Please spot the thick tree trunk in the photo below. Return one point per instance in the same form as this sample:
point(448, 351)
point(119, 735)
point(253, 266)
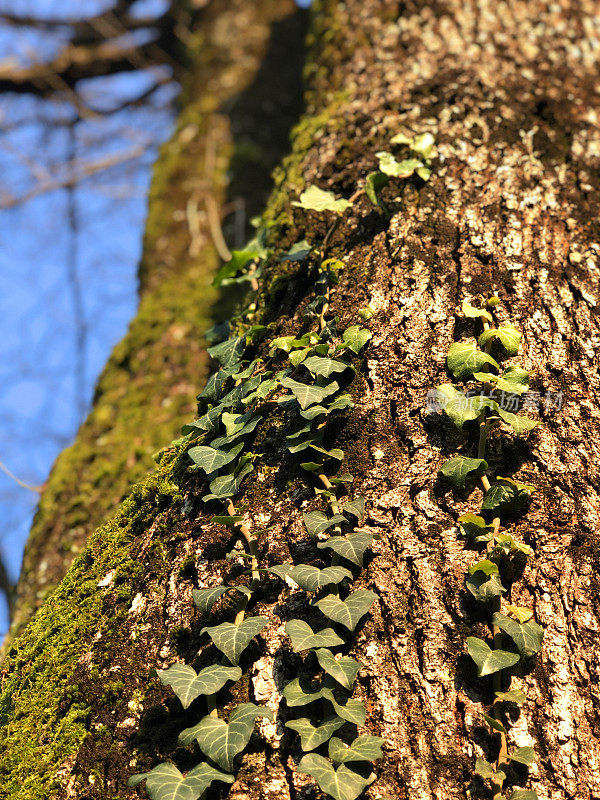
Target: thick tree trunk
point(508, 91)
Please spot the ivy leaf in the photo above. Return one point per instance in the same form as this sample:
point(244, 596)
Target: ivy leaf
point(227, 519)
point(355, 338)
point(484, 769)
point(281, 570)
point(494, 723)
point(347, 612)
point(506, 495)
point(513, 380)
point(297, 252)
point(303, 637)
point(505, 542)
point(352, 547)
point(324, 366)
point(307, 394)
point(523, 794)
point(458, 469)
point(397, 169)
point(237, 262)
point(522, 614)
point(344, 670)
point(356, 507)
point(222, 741)
point(523, 755)
point(315, 199)
point(484, 587)
point(486, 566)
point(459, 407)
point(423, 144)
point(237, 425)
point(475, 527)
point(489, 661)
point(364, 748)
point(210, 460)
point(206, 598)
point(526, 635)
point(342, 784)
point(464, 359)
point(296, 695)
point(188, 685)
point(508, 336)
point(232, 639)
point(284, 343)
point(519, 423)
point(474, 313)
point(349, 709)
point(313, 736)
point(227, 485)
point(312, 578)
point(512, 696)
point(374, 183)
point(165, 782)
point(316, 521)
point(228, 352)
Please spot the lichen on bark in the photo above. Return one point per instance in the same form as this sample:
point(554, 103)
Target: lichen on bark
point(511, 207)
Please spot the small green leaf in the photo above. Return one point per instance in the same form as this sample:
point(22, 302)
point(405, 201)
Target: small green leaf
point(312, 578)
point(484, 587)
point(352, 547)
point(523, 794)
point(423, 144)
point(347, 612)
point(526, 635)
point(324, 366)
point(374, 183)
point(506, 495)
point(298, 693)
point(508, 336)
point(464, 359)
point(341, 784)
point(356, 507)
point(355, 338)
point(210, 460)
point(206, 598)
point(315, 199)
point(458, 469)
point(239, 259)
point(188, 685)
point(364, 748)
point(513, 696)
point(222, 741)
point(313, 736)
point(486, 566)
point(281, 570)
point(522, 614)
point(228, 352)
point(308, 394)
point(486, 771)
point(519, 423)
point(398, 169)
point(316, 521)
point(474, 313)
point(494, 723)
point(489, 661)
point(165, 782)
point(344, 670)
point(506, 543)
point(227, 485)
point(232, 639)
point(297, 252)
point(303, 637)
point(523, 755)
point(475, 527)
point(513, 380)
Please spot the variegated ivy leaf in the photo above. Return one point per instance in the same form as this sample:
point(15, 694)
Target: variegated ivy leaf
point(325, 366)
point(316, 521)
point(222, 741)
point(210, 460)
point(474, 313)
point(526, 635)
point(232, 639)
point(312, 578)
point(485, 770)
point(352, 547)
point(475, 527)
point(523, 755)
point(315, 199)
point(188, 685)
point(512, 696)
point(347, 612)
point(458, 469)
point(464, 359)
point(341, 784)
point(489, 661)
point(355, 337)
point(484, 587)
point(356, 507)
point(303, 637)
point(229, 352)
point(308, 394)
point(313, 736)
point(165, 782)
point(344, 670)
point(523, 794)
point(508, 336)
point(364, 748)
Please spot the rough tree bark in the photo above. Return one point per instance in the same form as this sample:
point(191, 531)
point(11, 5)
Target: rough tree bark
point(509, 91)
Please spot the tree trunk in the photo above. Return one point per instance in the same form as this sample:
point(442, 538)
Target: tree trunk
point(511, 208)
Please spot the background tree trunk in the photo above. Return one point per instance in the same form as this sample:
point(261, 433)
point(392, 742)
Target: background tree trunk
point(512, 206)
